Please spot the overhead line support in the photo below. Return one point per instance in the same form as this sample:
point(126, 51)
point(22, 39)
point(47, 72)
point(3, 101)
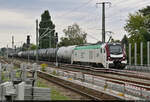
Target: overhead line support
point(103, 19)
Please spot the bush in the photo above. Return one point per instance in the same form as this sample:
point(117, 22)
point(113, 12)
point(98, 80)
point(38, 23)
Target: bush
point(43, 67)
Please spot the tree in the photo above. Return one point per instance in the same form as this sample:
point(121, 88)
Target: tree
point(138, 28)
point(24, 47)
point(73, 36)
point(135, 28)
point(124, 40)
point(32, 47)
point(47, 27)
point(145, 11)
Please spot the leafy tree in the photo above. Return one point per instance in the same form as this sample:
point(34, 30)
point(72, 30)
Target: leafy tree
point(32, 47)
point(138, 28)
point(124, 40)
point(24, 47)
point(135, 28)
point(47, 27)
point(73, 36)
point(145, 11)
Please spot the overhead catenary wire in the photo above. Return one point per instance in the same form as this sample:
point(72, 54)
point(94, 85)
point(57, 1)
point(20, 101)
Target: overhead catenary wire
point(94, 20)
point(83, 17)
point(75, 9)
point(92, 37)
point(110, 19)
point(89, 17)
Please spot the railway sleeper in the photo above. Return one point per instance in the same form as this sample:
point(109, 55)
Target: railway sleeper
point(93, 94)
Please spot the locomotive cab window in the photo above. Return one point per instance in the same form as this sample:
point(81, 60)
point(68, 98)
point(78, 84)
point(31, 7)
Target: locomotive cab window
point(115, 49)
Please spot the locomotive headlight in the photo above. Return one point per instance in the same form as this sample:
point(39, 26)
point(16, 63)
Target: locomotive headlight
point(109, 58)
point(124, 58)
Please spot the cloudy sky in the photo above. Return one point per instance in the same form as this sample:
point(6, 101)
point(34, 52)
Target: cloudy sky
point(17, 17)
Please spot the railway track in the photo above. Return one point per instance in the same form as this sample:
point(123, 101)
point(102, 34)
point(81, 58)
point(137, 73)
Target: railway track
point(115, 74)
point(97, 71)
point(112, 74)
point(90, 93)
point(126, 73)
point(121, 77)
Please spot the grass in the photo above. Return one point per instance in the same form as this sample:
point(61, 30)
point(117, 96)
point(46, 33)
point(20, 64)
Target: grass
point(55, 95)
point(3, 77)
point(18, 74)
point(15, 67)
point(55, 73)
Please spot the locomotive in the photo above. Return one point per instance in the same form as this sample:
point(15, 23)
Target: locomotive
point(107, 55)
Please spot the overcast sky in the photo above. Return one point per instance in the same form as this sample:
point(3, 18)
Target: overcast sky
point(17, 17)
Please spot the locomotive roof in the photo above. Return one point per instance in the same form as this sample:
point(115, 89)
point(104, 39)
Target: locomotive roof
point(88, 47)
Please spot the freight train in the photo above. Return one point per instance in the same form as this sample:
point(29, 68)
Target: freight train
point(107, 55)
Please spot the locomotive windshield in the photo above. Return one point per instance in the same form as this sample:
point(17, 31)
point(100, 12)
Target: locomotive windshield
point(115, 49)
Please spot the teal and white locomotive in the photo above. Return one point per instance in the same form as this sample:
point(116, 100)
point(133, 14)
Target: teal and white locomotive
point(105, 55)
point(102, 55)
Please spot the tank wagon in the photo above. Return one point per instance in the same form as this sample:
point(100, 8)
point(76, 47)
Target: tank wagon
point(51, 54)
point(100, 55)
point(64, 54)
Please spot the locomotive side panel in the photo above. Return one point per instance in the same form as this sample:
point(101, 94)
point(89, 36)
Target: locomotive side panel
point(87, 54)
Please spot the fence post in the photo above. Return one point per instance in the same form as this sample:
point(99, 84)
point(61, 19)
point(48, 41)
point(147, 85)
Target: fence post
point(130, 54)
point(12, 72)
point(148, 64)
point(23, 69)
point(0, 73)
point(141, 53)
point(135, 54)
point(35, 73)
point(124, 47)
